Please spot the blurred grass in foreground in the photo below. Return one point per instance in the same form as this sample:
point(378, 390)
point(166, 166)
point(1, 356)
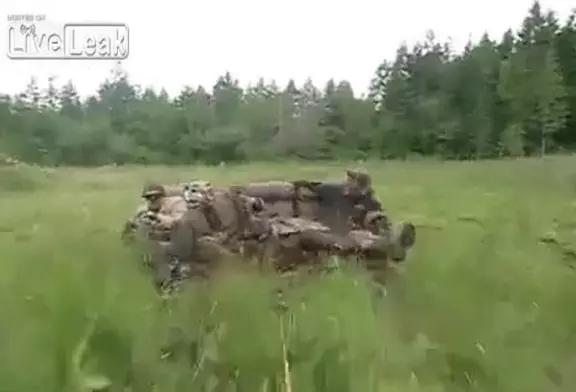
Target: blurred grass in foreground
point(485, 303)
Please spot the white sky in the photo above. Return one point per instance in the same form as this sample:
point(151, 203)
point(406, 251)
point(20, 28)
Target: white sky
point(173, 43)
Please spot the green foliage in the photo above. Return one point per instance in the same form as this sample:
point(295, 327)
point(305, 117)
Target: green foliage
point(427, 101)
point(483, 303)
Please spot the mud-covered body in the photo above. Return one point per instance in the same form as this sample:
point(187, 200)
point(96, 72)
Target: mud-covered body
point(283, 224)
point(332, 203)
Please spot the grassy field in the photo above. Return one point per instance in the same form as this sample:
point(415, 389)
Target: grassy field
point(486, 301)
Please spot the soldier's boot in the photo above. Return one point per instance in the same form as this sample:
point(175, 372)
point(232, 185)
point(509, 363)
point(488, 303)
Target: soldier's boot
point(403, 238)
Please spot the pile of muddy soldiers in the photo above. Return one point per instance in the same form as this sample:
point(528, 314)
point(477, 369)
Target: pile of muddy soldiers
point(189, 230)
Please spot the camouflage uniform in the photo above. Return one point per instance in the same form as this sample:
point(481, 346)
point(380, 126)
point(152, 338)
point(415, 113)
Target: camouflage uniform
point(287, 223)
point(375, 237)
point(157, 215)
point(151, 229)
point(241, 224)
point(331, 203)
point(286, 243)
point(195, 226)
point(357, 184)
point(349, 209)
point(214, 226)
point(167, 209)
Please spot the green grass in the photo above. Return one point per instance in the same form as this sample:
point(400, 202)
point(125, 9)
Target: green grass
point(482, 305)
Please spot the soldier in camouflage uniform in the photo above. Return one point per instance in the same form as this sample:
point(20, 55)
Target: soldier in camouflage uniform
point(289, 242)
point(207, 225)
point(240, 224)
point(150, 229)
point(331, 203)
point(218, 222)
point(191, 231)
point(156, 215)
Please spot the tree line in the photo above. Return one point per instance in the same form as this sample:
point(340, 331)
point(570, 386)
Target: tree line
point(514, 96)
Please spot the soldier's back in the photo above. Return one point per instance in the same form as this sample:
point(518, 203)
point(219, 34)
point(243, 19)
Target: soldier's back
point(196, 219)
point(278, 196)
point(225, 210)
point(174, 206)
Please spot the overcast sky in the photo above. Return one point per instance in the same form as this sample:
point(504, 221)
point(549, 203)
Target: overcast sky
point(173, 43)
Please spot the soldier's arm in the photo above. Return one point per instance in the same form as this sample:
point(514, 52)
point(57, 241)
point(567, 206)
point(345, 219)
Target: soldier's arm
point(180, 209)
point(142, 208)
point(140, 211)
point(131, 223)
point(166, 221)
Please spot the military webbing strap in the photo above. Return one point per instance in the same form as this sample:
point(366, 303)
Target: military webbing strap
point(295, 197)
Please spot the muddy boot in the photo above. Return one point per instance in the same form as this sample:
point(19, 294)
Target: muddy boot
point(403, 238)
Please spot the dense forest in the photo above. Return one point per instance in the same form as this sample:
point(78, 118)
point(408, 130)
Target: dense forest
point(513, 96)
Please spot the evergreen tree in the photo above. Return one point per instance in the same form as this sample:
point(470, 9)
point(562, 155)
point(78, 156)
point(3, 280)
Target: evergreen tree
point(511, 96)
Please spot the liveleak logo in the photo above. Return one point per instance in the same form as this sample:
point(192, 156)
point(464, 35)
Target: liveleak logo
point(49, 40)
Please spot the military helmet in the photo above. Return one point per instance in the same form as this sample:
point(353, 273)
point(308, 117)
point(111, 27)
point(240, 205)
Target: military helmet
point(358, 183)
point(360, 177)
point(153, 190)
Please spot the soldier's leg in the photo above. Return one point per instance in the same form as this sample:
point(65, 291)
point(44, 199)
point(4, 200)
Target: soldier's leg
point(372, 250)
point(160, 263)
point(249, 249)
point(313, 240)
point(183, 241)
point(289, 253)
point(377, 248)
point(269, 253)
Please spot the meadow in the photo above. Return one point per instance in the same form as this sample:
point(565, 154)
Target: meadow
point(485, 301)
